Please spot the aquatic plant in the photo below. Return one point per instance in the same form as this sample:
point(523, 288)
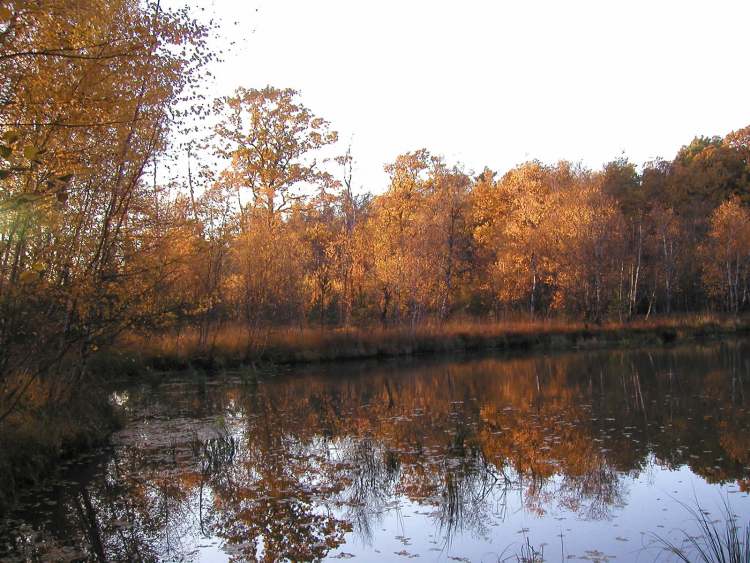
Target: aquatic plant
point(526, 554)
point(529, 554)
point(718, 541)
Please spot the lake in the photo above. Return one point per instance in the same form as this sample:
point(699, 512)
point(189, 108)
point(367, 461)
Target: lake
point(586, 455)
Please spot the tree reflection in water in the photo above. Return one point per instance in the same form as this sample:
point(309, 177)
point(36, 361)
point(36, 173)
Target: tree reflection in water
point(286, 468)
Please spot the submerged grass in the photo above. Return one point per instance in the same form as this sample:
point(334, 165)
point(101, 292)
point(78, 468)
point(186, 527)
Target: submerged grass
point(236, 345)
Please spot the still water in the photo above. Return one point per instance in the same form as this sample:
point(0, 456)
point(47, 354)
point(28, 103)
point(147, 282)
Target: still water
point(581, 456)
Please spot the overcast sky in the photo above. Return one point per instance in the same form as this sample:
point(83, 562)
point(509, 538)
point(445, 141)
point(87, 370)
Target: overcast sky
point(498, 83)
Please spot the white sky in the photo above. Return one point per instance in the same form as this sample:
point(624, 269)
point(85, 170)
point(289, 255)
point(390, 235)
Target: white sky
point(498, 83)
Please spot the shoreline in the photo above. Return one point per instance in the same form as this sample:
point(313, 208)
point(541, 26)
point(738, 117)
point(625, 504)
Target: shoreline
point(35, 445)
point(234, 348)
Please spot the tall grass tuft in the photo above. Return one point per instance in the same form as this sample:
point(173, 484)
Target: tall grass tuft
point(717, 542)
point(527, 554)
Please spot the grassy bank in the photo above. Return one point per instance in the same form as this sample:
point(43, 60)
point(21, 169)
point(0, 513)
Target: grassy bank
point(234, 346)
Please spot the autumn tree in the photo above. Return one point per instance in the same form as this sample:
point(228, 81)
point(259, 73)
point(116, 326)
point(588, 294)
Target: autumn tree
point(620, 181)
point(704, 174)
point(727, 255)
point(320, 225)
point(271, 140)
point(666, 244)
point(446, 229)
point(399, 262)
point(87, 95)
point(333, 223)
point(349, 249)
point(590, 229)
point(272, 143)
point(521, 207)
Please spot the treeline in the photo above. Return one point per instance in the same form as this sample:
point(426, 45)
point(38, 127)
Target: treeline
point(264, 230)
point(440, 242)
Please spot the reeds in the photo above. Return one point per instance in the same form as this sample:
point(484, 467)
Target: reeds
point(718, 541)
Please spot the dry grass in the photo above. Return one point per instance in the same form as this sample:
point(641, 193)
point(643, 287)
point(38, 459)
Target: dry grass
point(233, 345)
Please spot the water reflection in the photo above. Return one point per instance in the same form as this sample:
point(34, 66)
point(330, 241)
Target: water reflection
point(319, 463)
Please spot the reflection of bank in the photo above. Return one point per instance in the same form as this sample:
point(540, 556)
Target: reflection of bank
point(288, 467)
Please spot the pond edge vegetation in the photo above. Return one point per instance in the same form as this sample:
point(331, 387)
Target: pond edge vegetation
point(41, 438)
point(234, 347)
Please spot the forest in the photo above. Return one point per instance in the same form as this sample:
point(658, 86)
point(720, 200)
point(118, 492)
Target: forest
point(270, 227)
